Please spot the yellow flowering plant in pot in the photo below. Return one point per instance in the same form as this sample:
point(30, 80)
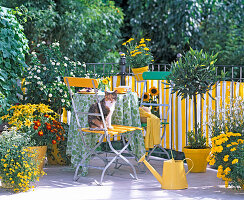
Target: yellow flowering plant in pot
point(138, 56)
point(227, 152)
point(41, 124)
point(18, 169)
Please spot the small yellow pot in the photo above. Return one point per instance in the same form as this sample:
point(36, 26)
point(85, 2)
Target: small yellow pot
point(138, 72)
point(40, 152)
point(199, 158)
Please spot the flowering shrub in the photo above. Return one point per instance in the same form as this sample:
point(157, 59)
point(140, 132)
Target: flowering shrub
point(40, 120)
point(44, 77)
point(152, 97)
point(18, 169)
point(227, 127)
point(138, 54)
point(227, 153)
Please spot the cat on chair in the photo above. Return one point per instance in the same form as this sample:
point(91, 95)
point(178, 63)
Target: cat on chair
point(108, 106)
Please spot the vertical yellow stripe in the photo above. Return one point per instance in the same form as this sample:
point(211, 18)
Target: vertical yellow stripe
point(118, 81)
point(183, 121)
point(207, 131)
point(214, 96)
point(133, 84)
point(176, 123)
point(163, 111)
point(167, 127)
point(228, 87)
point(189, 114)
point(111, 83)
point(201, 115)
point(241, 90)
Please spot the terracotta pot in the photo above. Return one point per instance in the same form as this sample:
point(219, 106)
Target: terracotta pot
point(199, 158)
point(138, 72)
point(40, 152)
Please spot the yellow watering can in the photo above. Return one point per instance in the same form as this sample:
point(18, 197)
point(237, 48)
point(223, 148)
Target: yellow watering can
point(174, 175)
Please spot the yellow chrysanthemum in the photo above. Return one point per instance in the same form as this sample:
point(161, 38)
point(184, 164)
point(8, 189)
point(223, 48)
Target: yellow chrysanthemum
point(235, 161)
point(105, 81)
point(146, 49)
point(233, 149)
point(148, 40)
point(142, 41)
point(226, 158)
point(146, 97)
point(153, 91)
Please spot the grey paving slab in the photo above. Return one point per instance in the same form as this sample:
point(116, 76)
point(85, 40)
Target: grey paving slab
point(58, 185)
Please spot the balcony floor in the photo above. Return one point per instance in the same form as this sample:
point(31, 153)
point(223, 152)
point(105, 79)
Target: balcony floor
point(58, 184)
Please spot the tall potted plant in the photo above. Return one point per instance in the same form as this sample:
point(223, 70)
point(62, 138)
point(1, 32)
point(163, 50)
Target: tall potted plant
point(194, 74)
point(138, 56)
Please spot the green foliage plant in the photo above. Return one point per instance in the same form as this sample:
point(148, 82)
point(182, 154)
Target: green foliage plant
point(13, 47)
point(18, 168)
point(196, 140)
point(138, 54)
point(193, 74)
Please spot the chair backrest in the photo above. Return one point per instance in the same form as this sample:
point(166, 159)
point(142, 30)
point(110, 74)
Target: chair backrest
point(155, 75)
point(81, 82)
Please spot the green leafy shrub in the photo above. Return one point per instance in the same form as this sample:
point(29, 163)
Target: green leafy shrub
point(87, 30)
point(13, 47)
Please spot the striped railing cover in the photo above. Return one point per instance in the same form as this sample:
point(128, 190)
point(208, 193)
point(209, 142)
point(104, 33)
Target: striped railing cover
point(181, 113)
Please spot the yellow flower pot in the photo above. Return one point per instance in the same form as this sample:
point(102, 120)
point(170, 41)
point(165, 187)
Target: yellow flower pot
point(40, 152)
point(55, 157)
point(199, 158)
point(138, 72)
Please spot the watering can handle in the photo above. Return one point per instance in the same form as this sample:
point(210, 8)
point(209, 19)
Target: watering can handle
point(192, 165)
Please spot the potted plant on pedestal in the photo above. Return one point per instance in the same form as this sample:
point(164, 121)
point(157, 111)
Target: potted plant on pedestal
point(138, 56)
point(194, 74)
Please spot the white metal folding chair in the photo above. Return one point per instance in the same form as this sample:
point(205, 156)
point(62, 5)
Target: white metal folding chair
point(104, 133)
point(158, 75)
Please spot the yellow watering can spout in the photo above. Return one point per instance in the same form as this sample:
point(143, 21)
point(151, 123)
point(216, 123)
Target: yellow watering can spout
point(174, 175)
point(153, 171)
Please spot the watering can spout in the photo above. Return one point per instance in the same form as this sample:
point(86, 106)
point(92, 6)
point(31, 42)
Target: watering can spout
point(152, 170)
